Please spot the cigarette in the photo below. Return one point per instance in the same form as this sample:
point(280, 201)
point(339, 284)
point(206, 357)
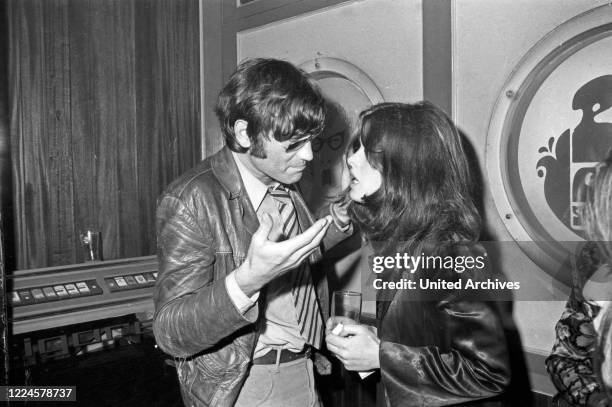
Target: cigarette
point(337, 329)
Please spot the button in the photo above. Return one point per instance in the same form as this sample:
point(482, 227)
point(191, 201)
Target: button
point(155, 275)
point(38, 295)
point(112, 284)
point(72, 290)
point(26, 296)
point(61, 291)
point(149, 277)
point(94, 287)
point(50, 293)
point(121, 282)
point(140, 279)
point(130, 280)
point(15, 298)
point(82, 287)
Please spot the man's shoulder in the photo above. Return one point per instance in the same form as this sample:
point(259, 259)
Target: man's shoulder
point(199, 179)
point(198, 176)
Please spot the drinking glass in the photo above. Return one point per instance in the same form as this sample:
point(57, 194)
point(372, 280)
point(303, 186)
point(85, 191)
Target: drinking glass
point(346, 307)
point(91, 243)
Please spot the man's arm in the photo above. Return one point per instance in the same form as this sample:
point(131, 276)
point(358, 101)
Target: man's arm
point(193, 310)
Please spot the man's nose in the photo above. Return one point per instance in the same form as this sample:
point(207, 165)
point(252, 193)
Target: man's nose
point(305, 153)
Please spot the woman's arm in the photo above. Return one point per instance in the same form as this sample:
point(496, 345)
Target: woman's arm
point(475, 366)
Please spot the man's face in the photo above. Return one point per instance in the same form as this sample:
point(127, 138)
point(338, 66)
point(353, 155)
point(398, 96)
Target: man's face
point(285, 161)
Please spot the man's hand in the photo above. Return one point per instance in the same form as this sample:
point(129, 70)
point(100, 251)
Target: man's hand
point(339, 212)
point(356, 346)
point(267, 259)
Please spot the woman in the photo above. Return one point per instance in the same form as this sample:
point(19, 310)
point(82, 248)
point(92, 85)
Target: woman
point(411, 193)
point(597, 217)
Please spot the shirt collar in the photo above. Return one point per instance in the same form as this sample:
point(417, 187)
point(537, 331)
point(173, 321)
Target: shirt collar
point(255, 189)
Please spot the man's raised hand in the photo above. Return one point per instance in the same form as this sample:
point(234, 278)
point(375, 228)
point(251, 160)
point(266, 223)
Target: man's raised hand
point(267, 259)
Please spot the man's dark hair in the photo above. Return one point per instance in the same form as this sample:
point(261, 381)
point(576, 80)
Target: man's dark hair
point(275, 99)
point(426, 192)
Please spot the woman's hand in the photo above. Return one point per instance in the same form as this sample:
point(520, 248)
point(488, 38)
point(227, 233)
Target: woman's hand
point(356, 346)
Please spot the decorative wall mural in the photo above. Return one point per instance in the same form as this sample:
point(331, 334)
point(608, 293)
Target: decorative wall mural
point(551, 125)
point(569, 161)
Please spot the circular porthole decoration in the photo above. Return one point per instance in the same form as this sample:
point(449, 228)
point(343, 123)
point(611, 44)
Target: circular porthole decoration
point(348, 90)
point(551, 125)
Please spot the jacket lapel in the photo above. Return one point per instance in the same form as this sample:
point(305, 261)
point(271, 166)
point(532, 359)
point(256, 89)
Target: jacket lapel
point(385, 297)
point(226, 171)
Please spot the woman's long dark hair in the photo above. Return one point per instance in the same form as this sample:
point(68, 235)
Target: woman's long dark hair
point(426, 192)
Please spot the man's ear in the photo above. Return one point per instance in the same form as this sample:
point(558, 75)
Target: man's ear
point(240, 131)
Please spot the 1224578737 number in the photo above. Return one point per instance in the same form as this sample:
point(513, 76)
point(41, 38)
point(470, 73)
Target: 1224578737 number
point(37, 393)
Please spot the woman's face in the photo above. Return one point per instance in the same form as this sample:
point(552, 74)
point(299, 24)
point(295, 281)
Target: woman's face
point(365, 179)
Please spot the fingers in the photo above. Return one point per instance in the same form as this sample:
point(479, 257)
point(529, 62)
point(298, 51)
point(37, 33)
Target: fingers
point(305, 243)
point(302, 252)
point(309, 235)
point(265, 226)
point(355, 330)
point(335, 340)
point(335, 345)
point(329, 324)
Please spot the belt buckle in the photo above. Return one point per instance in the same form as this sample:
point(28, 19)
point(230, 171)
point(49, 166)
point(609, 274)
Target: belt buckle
point(308, 352)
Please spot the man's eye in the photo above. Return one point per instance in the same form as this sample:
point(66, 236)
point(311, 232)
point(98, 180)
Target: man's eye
point(297, 145)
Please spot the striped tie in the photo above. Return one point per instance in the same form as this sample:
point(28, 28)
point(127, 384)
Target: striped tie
point(304, 296)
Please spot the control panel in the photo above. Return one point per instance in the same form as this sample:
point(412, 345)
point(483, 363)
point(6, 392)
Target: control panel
point(58, 296)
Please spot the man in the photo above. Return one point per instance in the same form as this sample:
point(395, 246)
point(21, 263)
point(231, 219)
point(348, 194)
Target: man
point(239, 302)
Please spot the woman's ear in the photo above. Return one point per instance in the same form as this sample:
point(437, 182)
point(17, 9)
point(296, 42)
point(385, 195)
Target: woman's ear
point(240, 131)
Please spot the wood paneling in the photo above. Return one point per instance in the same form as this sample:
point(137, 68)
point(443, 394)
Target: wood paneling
point(105, 112)
point(5, 190)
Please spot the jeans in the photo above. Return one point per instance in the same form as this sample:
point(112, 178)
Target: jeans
point(288, 384)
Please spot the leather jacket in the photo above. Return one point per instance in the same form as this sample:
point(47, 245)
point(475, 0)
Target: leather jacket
point(205, 222)
point(451, 349)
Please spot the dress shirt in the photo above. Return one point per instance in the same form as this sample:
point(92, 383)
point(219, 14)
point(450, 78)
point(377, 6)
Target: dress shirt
point(279, 328)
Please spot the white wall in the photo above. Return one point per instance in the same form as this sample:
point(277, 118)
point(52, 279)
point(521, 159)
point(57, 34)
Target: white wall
point(381, 37)
point(489, 39)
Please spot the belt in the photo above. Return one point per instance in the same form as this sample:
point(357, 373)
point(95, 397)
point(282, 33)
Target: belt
point(285, 356)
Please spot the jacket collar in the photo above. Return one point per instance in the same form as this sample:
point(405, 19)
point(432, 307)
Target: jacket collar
point(225, 169)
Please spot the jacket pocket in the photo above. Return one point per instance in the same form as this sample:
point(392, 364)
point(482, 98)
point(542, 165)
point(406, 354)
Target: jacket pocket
point(211, 367)
point(202, 378)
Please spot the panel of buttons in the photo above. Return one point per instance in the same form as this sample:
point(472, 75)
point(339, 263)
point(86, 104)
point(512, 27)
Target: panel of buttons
point(37, 295)
point(130, 281)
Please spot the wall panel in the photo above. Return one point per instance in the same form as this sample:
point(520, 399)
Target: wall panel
point(105, 112)
point(489, 40)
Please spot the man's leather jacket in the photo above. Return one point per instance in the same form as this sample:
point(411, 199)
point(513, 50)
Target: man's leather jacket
point(205, 222)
